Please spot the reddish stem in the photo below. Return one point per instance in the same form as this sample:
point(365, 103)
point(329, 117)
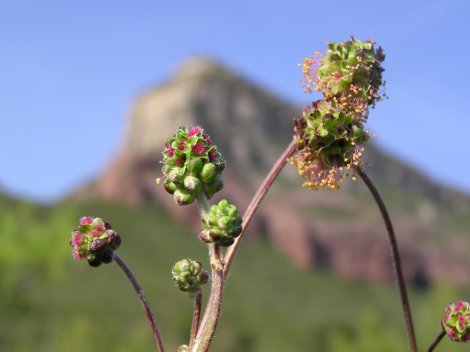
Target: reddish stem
point(143, 301)
point(255, 202)
point(209, 322)
point(196, 317)
point(395, 258)
point(437, 340)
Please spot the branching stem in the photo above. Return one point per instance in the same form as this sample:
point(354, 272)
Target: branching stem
point(196, 317)
point(143, 301)
point(211, 315)
point(255, 202)
point(395, 258)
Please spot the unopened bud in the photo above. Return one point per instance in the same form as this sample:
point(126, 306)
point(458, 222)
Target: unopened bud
point(221, 224)
point(188, 275)
point(169, 186)
point(208, 172)
point(183, 197)
point(194, 166)
point(192, 184)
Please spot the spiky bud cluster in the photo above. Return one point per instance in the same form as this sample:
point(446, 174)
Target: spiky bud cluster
point(331, 131)
point(329, 145)
point(456, 321)
point(349, 75)
point(189, 276)
point(221, 224)
point(191, 164)
point(94, 240)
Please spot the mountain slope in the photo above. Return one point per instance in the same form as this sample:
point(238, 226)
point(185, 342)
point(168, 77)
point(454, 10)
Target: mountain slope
point(339, 230)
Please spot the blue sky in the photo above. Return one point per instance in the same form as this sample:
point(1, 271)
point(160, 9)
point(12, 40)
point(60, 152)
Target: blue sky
point(69, 71)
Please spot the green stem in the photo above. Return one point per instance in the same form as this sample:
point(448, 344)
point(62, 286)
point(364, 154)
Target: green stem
point(202, 203)
point(143, 301)
point(255, 202)
point(211, 315)
point(395, 258)
point(437, 340)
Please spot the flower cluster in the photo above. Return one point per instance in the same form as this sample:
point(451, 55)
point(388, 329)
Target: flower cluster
point(94, 240)
point(456, 321)
point(221, 224)
point(191, 164)
point(329, 144)
point(330, 133)
point(189, 276)
point(349, 75)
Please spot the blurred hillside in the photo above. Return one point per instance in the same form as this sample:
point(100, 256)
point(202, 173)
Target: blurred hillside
point(336, 230)
point(52, 303)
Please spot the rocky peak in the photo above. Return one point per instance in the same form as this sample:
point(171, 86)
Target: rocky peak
point(339, 230)
point(247, 123)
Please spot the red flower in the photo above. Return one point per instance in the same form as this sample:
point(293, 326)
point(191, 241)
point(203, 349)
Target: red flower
point(194, 130)
point(199, 148)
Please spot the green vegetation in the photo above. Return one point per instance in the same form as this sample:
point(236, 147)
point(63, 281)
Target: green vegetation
point(49, 302)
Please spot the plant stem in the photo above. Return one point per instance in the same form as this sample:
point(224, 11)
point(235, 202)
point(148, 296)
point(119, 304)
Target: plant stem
point(196, 317)
point(255, 202)
point(202, 204)
point(212, 312)
point(395, 258)
point(437, 340)
point(143, 301)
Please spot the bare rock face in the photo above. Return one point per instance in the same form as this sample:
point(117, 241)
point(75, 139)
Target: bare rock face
point(337, 230)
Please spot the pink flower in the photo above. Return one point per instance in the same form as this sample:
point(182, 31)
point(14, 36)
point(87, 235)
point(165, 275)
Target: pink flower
point(76, 255)
point(86, 220)
point(179, 162)
point(98, 230)
point(198, 149)
point(459, 306)
point(181, 146)
point(194, 130)
point(77, 240)
point(170, 151)
point(212, 155)
point(95, 233)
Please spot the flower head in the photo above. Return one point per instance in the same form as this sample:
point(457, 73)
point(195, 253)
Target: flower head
point(189, 276)
point(456, 321)
point(349, 75)
point(330, 134)
point(191, 164)
point(329, 145)
point(221, 224)
point(94, 240)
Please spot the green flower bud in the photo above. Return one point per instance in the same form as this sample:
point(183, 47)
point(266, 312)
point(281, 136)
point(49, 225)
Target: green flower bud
point(221, 224)
point(189, 276)
point(192, 184)
point(174, 175)
point(190, 159)
point(169, 186)
point(194, 166)
point(183, 197)
point(208, 172)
